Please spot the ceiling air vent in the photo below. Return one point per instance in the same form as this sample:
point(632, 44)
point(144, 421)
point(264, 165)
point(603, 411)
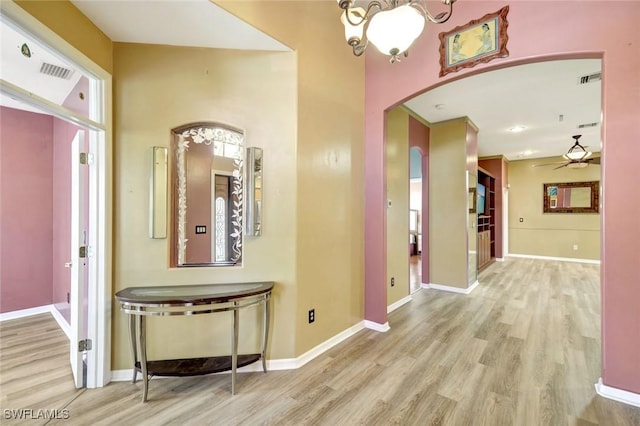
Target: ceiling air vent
point(55, 71)
point(590, 78)
point(586, 125)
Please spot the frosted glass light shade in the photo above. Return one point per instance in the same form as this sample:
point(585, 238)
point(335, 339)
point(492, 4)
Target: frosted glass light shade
point(577, 165)
point(353, 31)
point(393, 31)
point(577, 155)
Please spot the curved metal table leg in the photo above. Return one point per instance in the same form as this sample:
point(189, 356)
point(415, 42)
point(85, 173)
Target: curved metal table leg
point(234, 348)
point(133, 335)
point(265, 333)
point(143, 358)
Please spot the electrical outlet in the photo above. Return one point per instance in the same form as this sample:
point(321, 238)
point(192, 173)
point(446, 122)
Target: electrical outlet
point(575, 247)
point(393, 281)
point(312, 315)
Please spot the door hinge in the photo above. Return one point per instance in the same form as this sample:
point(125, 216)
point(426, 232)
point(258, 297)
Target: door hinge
point(84, 345)
point(83, 252)
point(86, 158)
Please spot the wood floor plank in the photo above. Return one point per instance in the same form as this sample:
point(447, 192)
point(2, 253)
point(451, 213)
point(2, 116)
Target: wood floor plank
point(522, 349)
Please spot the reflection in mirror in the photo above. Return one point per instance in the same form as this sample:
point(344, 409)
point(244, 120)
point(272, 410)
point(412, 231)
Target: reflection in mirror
point(472, 230)
point(571, 197)
point(208, 194)
point(253, 214)
point(158, 193)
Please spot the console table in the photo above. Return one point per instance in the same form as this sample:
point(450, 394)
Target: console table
point(140, 302)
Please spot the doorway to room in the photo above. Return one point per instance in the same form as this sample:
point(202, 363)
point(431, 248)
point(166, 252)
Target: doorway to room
point(47, 77)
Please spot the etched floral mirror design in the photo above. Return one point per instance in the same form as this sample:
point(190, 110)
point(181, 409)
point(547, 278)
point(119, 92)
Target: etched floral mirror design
point(208, 195)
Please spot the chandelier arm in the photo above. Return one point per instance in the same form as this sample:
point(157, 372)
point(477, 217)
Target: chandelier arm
point(423, 8)
point(366, 14)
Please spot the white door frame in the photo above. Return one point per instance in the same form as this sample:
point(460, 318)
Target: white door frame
point(100, 140)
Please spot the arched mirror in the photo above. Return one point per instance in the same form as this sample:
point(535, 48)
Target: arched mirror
point(208, 195)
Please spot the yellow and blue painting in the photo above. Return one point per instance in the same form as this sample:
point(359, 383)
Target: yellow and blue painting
point(472, 43)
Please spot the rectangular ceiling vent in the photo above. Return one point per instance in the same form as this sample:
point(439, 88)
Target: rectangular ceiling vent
point(587, 125)
point(56, 71)
point(590, 78)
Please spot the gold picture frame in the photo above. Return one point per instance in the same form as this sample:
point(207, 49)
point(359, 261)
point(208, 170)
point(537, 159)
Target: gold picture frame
point(478, 41)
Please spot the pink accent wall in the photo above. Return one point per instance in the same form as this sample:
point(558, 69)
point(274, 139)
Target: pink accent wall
point(419, 138)
point(497, 167)
point(562, 30)
point(26, 203)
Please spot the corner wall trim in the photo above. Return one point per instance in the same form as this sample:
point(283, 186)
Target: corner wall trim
point(560, 259)
point(275, 364)
point(451, 289)
point(392, 307)
point(383, 328)
point(619, 395)
point(22, 313)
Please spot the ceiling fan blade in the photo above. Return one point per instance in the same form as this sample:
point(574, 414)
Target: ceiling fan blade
point(595, 160)
point(551, 164)
point(559, 167)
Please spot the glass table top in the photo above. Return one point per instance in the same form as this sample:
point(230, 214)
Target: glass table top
point(205, 293)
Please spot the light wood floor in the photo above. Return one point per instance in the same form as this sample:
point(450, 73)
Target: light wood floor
point(522, 349)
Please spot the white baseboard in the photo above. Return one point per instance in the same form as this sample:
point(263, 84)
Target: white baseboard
point(376, 326)
point(619, 395)
point(392, 307)
point(499, 259)
point(62, 322)
point(561, 259)
point(22, 313)
point(276, 364)
point(51, 309)
point(451, 288)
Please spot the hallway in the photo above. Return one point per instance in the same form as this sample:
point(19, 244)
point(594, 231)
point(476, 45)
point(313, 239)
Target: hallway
point(521, 349)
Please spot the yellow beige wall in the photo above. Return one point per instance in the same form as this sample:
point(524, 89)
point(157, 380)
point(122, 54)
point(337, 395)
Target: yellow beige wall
point(448, 215)
point(397, 152)
point(549, 234)
point(161, 87)
point(330, 162)
point(63, 18)
point(316, 249)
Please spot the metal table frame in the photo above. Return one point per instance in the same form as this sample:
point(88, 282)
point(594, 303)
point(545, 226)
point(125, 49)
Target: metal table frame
point(139, 308)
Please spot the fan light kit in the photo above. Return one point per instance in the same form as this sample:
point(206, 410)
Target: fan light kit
point(577, 152)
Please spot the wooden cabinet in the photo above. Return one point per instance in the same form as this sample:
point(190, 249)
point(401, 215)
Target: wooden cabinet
point(487, 221)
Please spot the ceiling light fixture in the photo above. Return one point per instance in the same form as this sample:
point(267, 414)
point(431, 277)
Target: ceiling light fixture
point(577, 152)
point(390, 25)
point(517, 129)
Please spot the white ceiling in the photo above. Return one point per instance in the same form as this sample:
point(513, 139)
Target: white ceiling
point(198, 23)
point(24, 71)
point(533, 95)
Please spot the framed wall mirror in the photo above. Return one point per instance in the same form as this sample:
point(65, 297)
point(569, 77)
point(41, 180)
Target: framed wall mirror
point(571, 197)
point(208, 198)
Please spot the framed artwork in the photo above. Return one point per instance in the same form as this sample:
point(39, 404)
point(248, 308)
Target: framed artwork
point(478, 41)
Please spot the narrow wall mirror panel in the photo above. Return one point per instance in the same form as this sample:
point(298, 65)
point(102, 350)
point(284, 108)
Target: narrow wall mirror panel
point(253, 215)
point(158, 193)
point(208, 165)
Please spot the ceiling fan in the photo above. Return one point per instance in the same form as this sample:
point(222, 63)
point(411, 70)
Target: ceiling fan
point(577, 157)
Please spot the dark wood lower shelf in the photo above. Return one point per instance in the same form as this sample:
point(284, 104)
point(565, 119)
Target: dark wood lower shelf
point(195, 366)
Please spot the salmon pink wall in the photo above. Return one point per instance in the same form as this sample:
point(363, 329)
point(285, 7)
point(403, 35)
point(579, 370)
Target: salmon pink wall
point(26, 204)
point(537, 31)
point(419, 138)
